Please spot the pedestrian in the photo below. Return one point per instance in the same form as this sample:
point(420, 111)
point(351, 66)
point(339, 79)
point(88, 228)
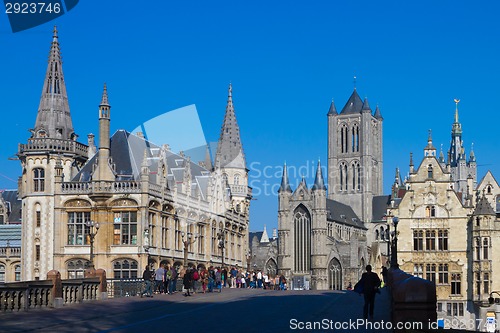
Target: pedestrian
point(384, 274)
point(159, 275)
point(259, 279)
point(187, 281)
point(368, 286)
point(173, 280)
point(147, 276)
point(166, 279)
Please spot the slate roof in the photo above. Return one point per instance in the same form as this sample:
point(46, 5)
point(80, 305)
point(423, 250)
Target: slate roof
point(379, 207)
point(483, 207)
point(354, 104)
point(127, 154)
point(14, 206)
point(341, 213)
point(11, 233)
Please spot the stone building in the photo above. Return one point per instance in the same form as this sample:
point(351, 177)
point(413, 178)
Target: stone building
point(322, 237)
point(263, 253)
point(151, 204)
point(448, 230)
point(433, 231)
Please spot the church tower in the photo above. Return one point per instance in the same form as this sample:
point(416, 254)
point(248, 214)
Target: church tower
point(355, 165)
point(461, 169)
point(230, 159)
point(51, 155)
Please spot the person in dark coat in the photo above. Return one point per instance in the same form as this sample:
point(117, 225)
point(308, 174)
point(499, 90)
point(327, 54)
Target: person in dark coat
point(187, 281)
point(371, 283)
point(147, 276)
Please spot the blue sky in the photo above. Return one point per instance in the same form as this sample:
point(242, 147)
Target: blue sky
point(286, 61)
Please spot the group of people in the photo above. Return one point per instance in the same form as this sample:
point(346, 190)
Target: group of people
point(164, 279)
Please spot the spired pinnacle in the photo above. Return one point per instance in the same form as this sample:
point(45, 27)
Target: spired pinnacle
point(319, 183)
point(104, 99)
point(54, 35)
point(285, 185)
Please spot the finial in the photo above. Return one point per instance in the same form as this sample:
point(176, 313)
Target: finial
point(230, 89)
point(55, 32)
point(430, 136)
point(354, 82)
point(411, 159)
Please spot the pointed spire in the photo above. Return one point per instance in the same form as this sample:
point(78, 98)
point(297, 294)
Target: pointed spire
point(104, 99)
point(229, 149)
point(303, 181)
point(441, 155)
point(412, 169)
point(472, 156)
point(366, 106)
point(285, 185)
point(333, 109)
point(54, 119)
point(397, 178)
point(265, 237)
point(377, 114)
point(430, 150)
point(354, 104)
point(319, 183)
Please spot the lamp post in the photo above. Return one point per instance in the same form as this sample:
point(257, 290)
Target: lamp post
point(187, 241)
point(394, 254)
point(221, 237)
point(93, 229)
point(388, 240)
point(248, 257)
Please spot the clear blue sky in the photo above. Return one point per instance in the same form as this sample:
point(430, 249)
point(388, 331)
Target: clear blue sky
point(286, 61)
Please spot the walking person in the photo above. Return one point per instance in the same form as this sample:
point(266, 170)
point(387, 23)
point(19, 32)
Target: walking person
point(368, 286)
point(147, 276)
point(172, 288)
point(187, 281)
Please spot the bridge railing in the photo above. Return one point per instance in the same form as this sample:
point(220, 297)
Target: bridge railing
point(53, 292)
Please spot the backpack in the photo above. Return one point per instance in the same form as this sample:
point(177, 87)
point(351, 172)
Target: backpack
point(196, 276)
point(169, 274)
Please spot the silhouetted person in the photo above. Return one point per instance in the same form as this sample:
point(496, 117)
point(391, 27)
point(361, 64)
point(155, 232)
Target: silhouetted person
point(370, 282)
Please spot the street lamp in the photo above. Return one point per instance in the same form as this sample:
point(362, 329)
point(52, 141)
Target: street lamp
point(221, 237)
point(388, 240)
point(93, 228)
point(249, 257)
point(187, 241)
point(394, 254)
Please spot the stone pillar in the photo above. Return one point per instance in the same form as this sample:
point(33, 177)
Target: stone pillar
point(56, 292)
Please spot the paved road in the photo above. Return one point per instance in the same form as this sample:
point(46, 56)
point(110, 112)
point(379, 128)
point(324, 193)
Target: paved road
point(233, 310)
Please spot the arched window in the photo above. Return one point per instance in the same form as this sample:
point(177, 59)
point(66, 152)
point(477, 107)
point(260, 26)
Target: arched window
point(76, 268)
point(343, 138)
point(355, 138)
point(2, 273)
point(478, 248)
point(38, 180)
point(343, 176)
point(485, 249)
point(382, 233)
point(335, 275)
point(376, 234)
point(17, 273)
point(429, 171)
point(302, 239)
point(271, 268)
point(224, 177)
point(125, 269)
point(236, 179)
point(358, 171)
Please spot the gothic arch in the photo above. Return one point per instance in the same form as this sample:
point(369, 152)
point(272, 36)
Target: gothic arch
point(302, 238)
point(335, 275)
point(271, 267)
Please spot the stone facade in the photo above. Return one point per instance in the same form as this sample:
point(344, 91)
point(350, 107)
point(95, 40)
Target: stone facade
point(147, 199)
point(448, 230)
